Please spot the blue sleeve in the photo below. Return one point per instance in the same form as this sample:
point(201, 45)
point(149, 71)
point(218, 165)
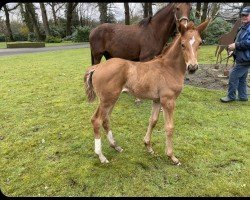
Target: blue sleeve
point(245, 44)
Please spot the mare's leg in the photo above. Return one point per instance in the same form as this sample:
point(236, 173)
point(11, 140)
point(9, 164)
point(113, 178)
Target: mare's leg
point(106, 126)
point(152, 122)
point(97, 56)
point(168, 106)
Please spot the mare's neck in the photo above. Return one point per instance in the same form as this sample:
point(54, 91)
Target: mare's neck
point(164, 24)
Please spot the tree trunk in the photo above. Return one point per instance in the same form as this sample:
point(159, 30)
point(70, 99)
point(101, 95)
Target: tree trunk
point(69, 16)
point(145, 10)
point(204, 12)
point(45, 20)
point(103, 9)
point(31, 10)
point(198, 11)
point(54, 13)
point(127, 16)
point(26, 18)
point(9, 31)
point(215, 9)
point(150, 9)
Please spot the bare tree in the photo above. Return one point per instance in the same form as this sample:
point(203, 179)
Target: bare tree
point(145, 10)
point(53, 6)
point(31, 10)
point(150, 9)
point(7, 22)
point(45, 20)
point(204, 12)
point(26, 18)
point(126, 10)
point(198, 11)
point(103, 9)
point(69, 15)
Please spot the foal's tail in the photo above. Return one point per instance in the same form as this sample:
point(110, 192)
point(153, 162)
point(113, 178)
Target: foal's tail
point(89, 89)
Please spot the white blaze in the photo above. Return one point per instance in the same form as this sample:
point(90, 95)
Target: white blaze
point(191, 42)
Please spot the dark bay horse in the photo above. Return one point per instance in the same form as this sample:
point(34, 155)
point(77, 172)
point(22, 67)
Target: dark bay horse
point(160, 79)
point(139, 42)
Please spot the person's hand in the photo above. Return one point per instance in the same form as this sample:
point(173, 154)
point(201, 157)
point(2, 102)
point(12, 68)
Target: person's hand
point(230, 53)
point(231, 47)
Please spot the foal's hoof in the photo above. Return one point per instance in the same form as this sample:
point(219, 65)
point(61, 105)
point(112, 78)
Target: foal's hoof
point(119, 149)
point(151, 151)
point(103, 159)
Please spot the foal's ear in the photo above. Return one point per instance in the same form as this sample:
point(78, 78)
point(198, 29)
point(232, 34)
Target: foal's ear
point(203, 26)
point(182, 29)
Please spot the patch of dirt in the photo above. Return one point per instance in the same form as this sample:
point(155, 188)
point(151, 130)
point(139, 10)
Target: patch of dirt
point(209, 76)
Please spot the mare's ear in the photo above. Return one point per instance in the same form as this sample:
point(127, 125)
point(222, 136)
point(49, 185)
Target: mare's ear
point(182, 28)
point(203, 25)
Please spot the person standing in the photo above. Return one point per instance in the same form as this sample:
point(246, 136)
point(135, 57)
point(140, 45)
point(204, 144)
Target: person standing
point(241, 53)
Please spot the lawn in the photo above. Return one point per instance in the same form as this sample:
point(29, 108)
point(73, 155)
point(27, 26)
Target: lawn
point(47, 143)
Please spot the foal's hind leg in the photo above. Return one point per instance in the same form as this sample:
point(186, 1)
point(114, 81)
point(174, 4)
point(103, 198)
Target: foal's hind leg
point(152, 122)
point(168, 106)
point(97, 121)
point(109, 133)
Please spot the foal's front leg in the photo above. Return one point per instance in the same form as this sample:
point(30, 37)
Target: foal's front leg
point(168, 106)
point(152, 122)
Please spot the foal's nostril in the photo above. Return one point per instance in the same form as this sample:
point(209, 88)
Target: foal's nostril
point(192, 68)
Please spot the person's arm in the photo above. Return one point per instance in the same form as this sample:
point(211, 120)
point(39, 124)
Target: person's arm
point(243, 45)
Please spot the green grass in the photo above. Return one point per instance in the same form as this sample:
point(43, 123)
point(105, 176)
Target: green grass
point(47, 143)
point(3, 44)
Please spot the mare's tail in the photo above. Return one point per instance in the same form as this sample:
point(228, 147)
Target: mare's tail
point(92, 57)
point(89, 89)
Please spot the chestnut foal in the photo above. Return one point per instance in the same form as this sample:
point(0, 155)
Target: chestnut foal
point(160, 80)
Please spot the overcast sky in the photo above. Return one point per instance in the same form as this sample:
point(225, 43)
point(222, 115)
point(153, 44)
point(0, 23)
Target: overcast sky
point(117, 8)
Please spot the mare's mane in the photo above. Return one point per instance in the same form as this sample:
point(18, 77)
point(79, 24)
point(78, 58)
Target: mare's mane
point(144, 22)
point(167, 46)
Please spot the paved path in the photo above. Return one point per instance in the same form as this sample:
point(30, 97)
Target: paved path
point(15, 51)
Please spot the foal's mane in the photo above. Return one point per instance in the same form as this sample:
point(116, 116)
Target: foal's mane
point(144, 22)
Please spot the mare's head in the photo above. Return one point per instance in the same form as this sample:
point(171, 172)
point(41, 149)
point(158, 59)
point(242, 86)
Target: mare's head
point(182, 12)
point(190, 42)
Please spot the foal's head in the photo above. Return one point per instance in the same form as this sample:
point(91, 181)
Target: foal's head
point(190, 42)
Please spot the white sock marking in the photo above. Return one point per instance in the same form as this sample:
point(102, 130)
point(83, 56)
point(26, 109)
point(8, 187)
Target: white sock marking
point(98, 146)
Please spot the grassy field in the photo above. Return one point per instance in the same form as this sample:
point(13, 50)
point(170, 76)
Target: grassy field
point(47, 143)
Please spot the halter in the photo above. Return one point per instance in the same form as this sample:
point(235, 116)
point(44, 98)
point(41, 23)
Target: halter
point(179, 20)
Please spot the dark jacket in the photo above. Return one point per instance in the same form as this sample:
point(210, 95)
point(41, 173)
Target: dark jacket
point(242, 46)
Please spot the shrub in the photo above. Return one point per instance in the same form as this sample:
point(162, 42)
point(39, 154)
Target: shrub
point(53, 39)
point(81, 34)
point(32, 37)
point(20, 37)
point(2, 38)
point(213, 32)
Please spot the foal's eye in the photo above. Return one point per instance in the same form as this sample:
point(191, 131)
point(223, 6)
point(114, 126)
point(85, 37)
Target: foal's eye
point(182, 45)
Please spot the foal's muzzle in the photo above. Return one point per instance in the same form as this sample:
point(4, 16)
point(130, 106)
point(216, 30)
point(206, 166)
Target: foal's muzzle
point(192, 68)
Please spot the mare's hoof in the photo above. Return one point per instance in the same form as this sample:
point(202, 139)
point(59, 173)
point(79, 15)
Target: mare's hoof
point(138, 102)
